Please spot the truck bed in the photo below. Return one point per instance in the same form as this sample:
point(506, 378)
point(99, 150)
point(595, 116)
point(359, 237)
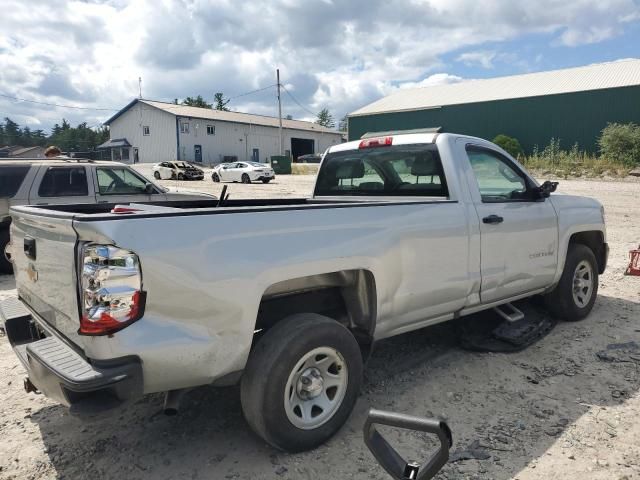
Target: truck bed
point(103, 211)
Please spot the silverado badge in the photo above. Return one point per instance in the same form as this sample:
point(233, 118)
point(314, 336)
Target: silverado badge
point(32, 273)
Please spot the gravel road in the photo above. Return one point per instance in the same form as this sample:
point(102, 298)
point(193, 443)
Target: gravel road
point(565, 408)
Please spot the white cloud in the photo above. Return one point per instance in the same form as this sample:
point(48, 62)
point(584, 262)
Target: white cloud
point(482, 58)
point(435, 79)
point(339, 55)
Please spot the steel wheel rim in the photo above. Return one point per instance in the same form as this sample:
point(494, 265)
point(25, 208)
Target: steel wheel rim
point(583, 279)
point(316, 388)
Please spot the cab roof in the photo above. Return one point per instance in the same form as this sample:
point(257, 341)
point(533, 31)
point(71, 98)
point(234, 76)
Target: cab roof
point(398, 139)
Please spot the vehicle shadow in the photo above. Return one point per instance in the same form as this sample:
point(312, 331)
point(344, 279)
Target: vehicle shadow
point(505, 411)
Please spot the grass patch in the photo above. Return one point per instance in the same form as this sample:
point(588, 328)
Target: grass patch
point(553, 160)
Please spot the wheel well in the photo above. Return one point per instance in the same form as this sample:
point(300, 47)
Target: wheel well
point(347, 296)
point(595, 241)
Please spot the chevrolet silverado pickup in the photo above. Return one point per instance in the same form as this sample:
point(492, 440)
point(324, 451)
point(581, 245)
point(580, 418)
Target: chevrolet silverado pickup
point(288, 296)
point(70, 180)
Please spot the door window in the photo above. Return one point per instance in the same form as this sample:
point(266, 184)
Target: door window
point(119, 181)
point(11, 178)
point(64, 182)
point(499, 180)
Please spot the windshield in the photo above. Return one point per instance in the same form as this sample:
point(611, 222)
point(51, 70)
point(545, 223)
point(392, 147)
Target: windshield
point(182, 165)
point(255, 164)
point(405, 170)
point(112, 181)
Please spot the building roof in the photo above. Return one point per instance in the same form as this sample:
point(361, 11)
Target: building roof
point(622, 73)
point(222, 116)
point(114, 143)
point(23, 150)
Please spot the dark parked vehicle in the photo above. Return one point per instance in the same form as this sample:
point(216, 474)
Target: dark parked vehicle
point(309, 158)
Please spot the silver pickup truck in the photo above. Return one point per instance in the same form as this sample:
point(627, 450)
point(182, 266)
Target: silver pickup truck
point(287, 296)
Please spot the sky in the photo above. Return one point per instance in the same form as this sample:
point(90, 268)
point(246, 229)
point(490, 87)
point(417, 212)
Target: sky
point(333, 54)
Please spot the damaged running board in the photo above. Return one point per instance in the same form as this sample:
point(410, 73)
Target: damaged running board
point(509, 312)
point(510, 331)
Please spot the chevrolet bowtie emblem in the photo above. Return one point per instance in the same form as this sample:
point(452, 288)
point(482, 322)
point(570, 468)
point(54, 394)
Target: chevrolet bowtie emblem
point(32, 273)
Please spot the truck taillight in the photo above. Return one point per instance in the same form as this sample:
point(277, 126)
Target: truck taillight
point(111, 289)
point(376, 142)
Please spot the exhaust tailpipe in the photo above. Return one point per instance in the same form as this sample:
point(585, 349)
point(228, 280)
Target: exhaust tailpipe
point(172, 401)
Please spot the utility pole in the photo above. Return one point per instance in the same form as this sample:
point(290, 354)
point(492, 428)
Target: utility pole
point(279, 110)
point(139, 87)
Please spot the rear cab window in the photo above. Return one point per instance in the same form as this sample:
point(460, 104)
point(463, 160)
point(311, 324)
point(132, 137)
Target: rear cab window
point(402, 170)
point(64, 182)
point(11, 178)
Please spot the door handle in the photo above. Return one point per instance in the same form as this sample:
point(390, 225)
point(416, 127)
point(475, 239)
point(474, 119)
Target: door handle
point(493, 219)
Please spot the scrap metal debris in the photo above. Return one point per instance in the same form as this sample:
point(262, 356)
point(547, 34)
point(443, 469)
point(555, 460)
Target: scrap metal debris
point(628, 352)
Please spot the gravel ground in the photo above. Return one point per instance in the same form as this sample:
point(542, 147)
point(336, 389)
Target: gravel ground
point(565, 408)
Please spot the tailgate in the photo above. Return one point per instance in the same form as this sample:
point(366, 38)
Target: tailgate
point(44, 265)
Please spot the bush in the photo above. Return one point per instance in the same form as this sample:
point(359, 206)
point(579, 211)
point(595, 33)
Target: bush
point(554, 160)
point(510, 145)
point(620, 142)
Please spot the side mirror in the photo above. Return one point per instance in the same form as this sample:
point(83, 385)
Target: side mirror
point(149, 188)
point(546, 189)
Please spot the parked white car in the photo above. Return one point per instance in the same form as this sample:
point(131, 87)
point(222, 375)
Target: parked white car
point(245, 172)
point(177, 170)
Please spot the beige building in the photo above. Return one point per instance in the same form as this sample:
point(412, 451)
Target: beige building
point(147, 131)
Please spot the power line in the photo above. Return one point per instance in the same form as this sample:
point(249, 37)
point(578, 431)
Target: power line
point(59, 105)
point(297, 102)
point(252, 91)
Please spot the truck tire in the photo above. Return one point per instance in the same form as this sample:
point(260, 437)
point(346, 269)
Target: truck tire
point(301, 382)
point(573, 298)
point(5, 265)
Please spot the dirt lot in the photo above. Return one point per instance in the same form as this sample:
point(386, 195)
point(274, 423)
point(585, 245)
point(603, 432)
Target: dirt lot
point(566, 408)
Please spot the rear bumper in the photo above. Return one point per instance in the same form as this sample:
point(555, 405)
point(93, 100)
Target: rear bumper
point(87, 387)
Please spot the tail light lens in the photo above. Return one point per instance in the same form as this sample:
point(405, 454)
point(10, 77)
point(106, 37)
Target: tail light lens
point(111, 295)
point(376, 142)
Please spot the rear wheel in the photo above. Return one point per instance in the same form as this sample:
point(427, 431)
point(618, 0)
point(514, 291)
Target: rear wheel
point(215, 177)
point(5, 264)
point(576, 292)
point(156, 175)
point(301, 382)
point(266, 180)
point(245, 178)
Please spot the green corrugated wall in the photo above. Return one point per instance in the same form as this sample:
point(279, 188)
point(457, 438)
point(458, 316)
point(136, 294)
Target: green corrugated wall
point(571, 117)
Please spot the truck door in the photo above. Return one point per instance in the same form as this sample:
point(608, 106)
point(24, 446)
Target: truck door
point(518, 232)
point(62, 184)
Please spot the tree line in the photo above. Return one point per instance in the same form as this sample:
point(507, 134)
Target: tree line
point(69, 139)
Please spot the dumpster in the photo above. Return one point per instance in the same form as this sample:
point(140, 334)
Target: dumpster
point(281, 164)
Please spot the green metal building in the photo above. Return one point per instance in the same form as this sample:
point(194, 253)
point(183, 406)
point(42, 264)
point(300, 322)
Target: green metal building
point(572, 105)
